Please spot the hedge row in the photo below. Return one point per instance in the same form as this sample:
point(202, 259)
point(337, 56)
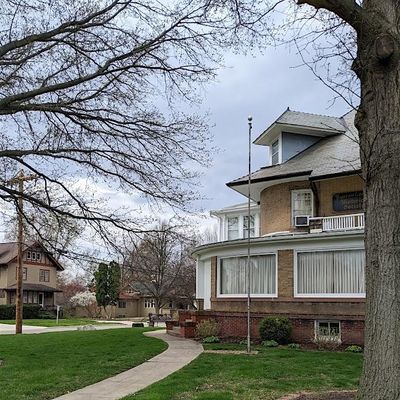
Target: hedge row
point(30, 311)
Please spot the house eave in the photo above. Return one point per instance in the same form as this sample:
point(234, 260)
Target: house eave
point(290, 239)
point(272, 132)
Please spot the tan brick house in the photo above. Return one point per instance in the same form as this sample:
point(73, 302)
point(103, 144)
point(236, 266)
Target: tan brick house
point(40, 270)
point(307, 236)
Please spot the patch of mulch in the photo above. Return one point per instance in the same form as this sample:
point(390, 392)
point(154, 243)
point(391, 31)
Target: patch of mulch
point(348, 395)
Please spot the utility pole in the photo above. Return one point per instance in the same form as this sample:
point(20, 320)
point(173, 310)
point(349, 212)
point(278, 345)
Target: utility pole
point(19, 180)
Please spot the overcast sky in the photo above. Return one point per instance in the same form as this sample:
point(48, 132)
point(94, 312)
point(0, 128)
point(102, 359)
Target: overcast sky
point(262, 86)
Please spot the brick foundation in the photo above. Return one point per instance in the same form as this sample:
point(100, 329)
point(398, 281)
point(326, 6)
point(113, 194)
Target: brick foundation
point(234, 326)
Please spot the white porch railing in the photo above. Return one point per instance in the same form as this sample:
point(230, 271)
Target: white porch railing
point(341, 222)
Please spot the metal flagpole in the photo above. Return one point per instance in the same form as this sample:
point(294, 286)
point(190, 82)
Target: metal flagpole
point(250, 119)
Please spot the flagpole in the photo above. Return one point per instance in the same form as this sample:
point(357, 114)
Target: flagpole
point(250, 119)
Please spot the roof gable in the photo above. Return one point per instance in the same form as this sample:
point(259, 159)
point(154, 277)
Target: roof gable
point(9, 252)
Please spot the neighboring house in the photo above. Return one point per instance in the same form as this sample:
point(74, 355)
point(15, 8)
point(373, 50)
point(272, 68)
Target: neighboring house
point(307, 245)
point(39, 269)
point(135, 301)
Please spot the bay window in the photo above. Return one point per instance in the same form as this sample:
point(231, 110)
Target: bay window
point(334, 273)
point(233, 276)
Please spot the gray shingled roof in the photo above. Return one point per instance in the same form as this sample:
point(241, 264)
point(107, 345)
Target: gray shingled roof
point(337, 154)
point(311, 120)
point(307, 120)
point(8, 251)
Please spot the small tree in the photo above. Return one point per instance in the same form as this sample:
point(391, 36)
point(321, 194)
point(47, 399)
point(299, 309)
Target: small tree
point(107, 282)
point(86, 300)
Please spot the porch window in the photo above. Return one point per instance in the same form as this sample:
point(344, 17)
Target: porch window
point(331, 273)
point(245, 226)
point(44, 275)
point(25, 297)
point(233, 276)
point(35, 298)
point(121, 304)
point(275, 153)
point(302, 203)
point(233, 228)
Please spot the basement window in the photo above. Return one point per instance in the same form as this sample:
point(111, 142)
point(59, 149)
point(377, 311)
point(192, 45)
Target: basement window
point(327, 330)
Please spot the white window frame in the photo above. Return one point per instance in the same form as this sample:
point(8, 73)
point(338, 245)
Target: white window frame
point(292, 195)
point(244, 295)
point(322, 295)
point(244, 235)
point(149, 303)
point(329, 321)
point(238, 226)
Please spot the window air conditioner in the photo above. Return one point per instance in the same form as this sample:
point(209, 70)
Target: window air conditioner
point(301, 220)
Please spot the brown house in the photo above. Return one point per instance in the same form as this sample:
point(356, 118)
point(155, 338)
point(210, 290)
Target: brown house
point(39, 274)
point(307, 237)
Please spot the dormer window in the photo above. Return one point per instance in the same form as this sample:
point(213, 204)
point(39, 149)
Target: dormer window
point(275, 152)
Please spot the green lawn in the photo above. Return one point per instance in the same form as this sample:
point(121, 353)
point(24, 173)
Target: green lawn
point(272, 373)
point(47, 365)
point(53, 322)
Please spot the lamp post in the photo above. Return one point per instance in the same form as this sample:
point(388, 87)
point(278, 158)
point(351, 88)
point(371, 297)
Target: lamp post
point(249, 119)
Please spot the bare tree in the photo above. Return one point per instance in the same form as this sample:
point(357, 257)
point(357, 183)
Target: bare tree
point(160, 263)
point(90, 96)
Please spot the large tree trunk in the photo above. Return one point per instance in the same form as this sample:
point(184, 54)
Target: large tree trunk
point(378, 122)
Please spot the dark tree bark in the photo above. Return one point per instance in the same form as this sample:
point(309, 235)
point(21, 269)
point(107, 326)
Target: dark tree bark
point(378, 122)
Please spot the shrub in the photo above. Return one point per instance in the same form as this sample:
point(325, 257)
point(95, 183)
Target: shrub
point(275, 328)
point(47, 315)
point(354, 349)
point(211, 339)
point(7, 312)
point(207, 328)
point(330, 343)
point(294, 346)
point(30, 311)
point(270, 343)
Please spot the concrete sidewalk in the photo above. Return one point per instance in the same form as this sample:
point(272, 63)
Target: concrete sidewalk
point(179, 353)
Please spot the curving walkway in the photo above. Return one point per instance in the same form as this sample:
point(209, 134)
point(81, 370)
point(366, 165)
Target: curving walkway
point(179, 353)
